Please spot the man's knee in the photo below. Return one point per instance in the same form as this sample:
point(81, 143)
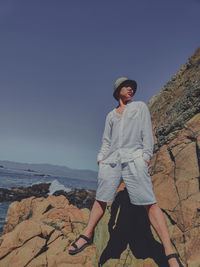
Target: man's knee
point(150, 206)
point(103, 204)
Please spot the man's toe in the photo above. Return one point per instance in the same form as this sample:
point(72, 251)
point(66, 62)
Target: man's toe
point(71, 248)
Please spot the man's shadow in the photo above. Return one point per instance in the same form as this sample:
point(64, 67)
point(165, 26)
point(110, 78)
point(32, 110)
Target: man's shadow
point(132, 227)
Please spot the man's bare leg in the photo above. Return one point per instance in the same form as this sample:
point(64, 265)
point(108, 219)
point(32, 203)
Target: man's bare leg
point(158, 222)
point(98, 210)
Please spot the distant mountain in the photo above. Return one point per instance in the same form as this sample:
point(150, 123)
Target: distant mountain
point(49, 169)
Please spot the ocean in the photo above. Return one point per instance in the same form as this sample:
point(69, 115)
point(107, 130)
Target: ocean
point(16, 178)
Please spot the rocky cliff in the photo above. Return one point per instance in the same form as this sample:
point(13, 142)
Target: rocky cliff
point(175, 166)
point(38, 231)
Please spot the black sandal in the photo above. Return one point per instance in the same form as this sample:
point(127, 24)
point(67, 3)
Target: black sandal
point(77, 250)
point(175, 255)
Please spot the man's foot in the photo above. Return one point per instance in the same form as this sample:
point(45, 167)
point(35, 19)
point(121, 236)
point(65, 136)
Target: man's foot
point(174, 260)
point(80, 243)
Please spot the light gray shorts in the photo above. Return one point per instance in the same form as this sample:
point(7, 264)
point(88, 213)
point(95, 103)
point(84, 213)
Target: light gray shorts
point(135, 176)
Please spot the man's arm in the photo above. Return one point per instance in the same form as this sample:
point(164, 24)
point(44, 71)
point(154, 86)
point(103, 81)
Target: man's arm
point(147, 133)
point(106, 139)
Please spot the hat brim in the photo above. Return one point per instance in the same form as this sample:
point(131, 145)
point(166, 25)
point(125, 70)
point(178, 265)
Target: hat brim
point(130, 83)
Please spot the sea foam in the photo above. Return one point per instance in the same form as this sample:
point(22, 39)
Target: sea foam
point(56, 186)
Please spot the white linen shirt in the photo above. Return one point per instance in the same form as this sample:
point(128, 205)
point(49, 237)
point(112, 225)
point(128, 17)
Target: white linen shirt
point(128, 135)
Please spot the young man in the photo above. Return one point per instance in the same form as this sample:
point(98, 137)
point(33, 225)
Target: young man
point(127, 147)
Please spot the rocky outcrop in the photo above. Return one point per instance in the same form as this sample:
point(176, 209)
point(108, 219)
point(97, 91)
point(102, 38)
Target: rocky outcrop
point(177, 102)
point(175, 165)
point(81, 198)
point(38, 232)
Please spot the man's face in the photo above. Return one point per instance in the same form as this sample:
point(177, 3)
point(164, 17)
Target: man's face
point(126, 93)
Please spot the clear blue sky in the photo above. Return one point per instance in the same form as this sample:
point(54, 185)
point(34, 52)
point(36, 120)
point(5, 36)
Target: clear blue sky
point(59, 60)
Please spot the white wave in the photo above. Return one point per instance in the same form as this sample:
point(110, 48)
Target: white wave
point(55, 186)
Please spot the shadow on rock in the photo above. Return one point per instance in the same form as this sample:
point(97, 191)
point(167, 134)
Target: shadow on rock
point(129, 225)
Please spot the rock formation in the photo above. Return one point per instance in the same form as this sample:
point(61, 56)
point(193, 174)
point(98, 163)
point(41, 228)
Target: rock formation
point(41, 229)
point(81, 198)
point(175, 165)
point(38, 232)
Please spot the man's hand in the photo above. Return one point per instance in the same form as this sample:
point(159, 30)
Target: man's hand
point(99, 162)
point(146, 162)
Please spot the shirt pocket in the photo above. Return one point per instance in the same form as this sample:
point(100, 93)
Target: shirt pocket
point(132, 114)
